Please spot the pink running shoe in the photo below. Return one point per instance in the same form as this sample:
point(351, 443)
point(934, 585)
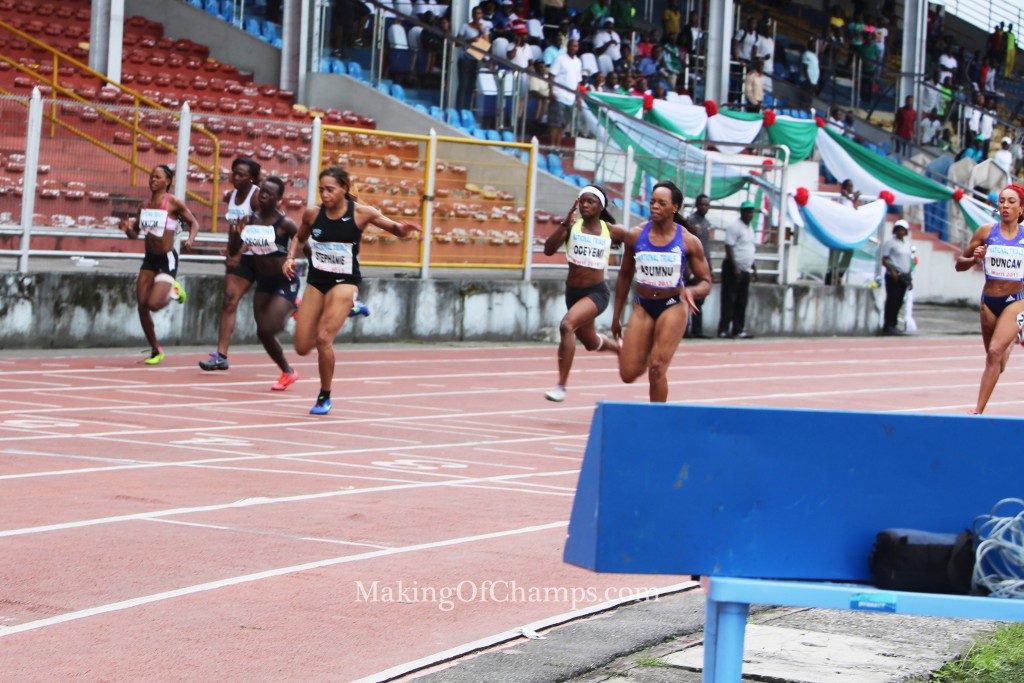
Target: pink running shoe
point(285, 380)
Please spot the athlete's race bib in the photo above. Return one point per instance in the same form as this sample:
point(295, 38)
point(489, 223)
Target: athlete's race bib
point(332, 257)
point(659, 269)
point(1004, 263)
point(236, 215)
point(152, 222)
point(259, 239)
point(589, 251)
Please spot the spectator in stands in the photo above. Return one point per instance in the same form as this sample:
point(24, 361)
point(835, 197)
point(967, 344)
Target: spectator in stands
point(868, 69)
point(691, 39)
point(738, 271)
point(349, 21)
point(995, 45)
point(850, 127)
point(972, 116)
point(810, 72)
point(626, 63)
point(987, 123)
point(839, 259)
point(639, 87)
point(540, 88)
point(655, 66)
point(930, 128)
point(989, 73)
point(622, 12)
point(906, 121)
point(972, 70)
point(613, 84)
point(975, 151)
point(671, 22)
point(659, 91)
point(699, 226)
point(680, 94)
point(332, 282)
point(1003, 158)
point(764, 49)
point(597, 12)
point(1011, 52)
point(947, 63)
point(896, 259)
point(598, 83)
point(836, 121)
point(519, 54)
point(644, 46)
point(432, 42)
point(744, 41)
point(945, 142)
point(553, 11)
point(662, 302)
point(931, 96)
point(567, 72)
point(475, 33)
point(159, 221)
point(607, 42)
point(753, 86)
point(836, 17)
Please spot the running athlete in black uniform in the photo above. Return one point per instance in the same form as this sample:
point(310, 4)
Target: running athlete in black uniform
point(333, 230)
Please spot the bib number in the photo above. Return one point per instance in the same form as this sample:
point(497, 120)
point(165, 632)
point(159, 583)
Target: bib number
point(152, 222)
point(659, 269)
point(259, 239)
point(588, 251)
point(1004, 263)
point(332, 257)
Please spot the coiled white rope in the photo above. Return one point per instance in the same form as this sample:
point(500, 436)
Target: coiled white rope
point(999, 557)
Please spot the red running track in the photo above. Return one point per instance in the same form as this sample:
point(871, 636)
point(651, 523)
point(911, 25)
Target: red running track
point(161, 523)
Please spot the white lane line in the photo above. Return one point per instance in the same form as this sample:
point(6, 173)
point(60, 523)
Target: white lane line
point(521, 454)
point(369, 437)
point(68, 456)
point(260, 532)
point(252, 502)
point(268, 574)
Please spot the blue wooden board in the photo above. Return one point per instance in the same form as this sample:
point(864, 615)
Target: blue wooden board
point(778, 493)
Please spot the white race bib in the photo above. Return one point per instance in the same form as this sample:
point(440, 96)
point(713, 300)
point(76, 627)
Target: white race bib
point(1004, 263)
point(332, 257)
point(236, 215)
point(659, 269)
point(589, 251)
point(259, 239)
point(152, 222)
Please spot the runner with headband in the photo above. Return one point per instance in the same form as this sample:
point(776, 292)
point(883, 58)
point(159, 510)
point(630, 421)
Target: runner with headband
point(999, 249)
point(656, 256)
point(588, 241)
point(159, 221)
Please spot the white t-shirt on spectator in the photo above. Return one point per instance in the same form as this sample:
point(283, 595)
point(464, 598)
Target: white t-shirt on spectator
point(930, 129)
point(947, 66)
point(986, 125)
point(1003, 159)
point(568, 72)
point(810, 60)
point(676, 97)
point(747, 40)
point(740, 237)
point(605, 36)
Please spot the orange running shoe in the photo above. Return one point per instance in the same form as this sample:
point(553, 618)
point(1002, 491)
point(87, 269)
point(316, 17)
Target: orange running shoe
point(285, 380)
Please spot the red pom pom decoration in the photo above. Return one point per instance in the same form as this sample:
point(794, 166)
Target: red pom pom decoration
point(889, 197)
point(648, 102)
point(820, 121)
point(710, 107)
point(769, 118)
point(767, 162)
point(958, 195)
point(802, 195)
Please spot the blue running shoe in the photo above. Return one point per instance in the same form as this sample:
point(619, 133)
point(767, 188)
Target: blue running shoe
point(359, 308)
point(321, 408)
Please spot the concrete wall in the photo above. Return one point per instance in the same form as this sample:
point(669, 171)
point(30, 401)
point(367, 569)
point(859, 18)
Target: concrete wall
point(56, 310)
point(226, 43)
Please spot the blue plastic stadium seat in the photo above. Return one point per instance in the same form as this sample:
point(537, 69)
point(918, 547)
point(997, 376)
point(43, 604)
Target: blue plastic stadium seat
point(398, 92)
point(421, 108)
point(451, 116)
point(467, 119)
point(492, 135)
point(555, 165)
point(435, 112)
point(355, 70)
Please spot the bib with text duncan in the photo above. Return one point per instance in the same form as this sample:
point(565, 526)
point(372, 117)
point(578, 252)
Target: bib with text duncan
point(589, 251)
point(152, 222)
point(259, 239)
point(659, 269)
point(1004, 263)
point(332, 257)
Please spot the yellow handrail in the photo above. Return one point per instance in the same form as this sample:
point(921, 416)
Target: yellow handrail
point(138, 99)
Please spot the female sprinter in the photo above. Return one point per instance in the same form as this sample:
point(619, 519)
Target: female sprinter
point(588, 242)
point(1000, 249)
point(239, 273)
point(266, 238)
point(656, 255)
point(336, 227)
point(159, 221)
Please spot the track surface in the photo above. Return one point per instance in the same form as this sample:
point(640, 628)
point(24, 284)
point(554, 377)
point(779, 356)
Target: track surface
point(161, 523)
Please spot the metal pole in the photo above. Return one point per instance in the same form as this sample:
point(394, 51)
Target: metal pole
point(428, 206)
point(304, 49)
point(116, 34)
point(181, 161)
point(33, 137)
point(531, 205)
point(627, 186)
point(315, 146)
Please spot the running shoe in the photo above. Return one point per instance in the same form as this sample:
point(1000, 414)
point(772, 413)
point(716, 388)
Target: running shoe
point(321, 408)
point(178, 292)
point(557, 394)
point(155, 357)
point(298, 302)
point(359, 308)
point(214, 362)
point(1020, 328)
point(285, 380)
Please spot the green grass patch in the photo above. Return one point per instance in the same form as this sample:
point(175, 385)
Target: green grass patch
point(651, 661)
point(999, 659)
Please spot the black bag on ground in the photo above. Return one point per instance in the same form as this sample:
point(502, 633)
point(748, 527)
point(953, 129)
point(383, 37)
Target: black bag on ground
point(922, 561)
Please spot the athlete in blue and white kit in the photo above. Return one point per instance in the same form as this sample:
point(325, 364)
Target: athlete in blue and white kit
point(588, 243)
point(656, 255)
point(1000, 249)
point(333, 231)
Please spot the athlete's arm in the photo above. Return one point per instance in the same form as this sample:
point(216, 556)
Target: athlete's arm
point(974, 252)
point(625, 280)
point(299, 240)
point(700, 269)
